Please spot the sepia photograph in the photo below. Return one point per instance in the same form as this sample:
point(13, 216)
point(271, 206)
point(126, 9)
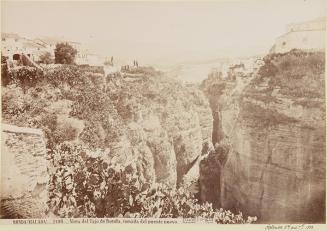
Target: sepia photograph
point(175, 112)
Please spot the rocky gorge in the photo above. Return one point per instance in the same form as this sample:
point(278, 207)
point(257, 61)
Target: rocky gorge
point(251, 143)
point(274, 124)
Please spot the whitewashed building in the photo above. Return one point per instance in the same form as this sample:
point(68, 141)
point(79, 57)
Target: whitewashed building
point(13, 46)
point(310, 35)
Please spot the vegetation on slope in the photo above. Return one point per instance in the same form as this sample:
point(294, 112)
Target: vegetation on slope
point(297, 76)
point(82, 112)
point(296, 73)
point(83, 185)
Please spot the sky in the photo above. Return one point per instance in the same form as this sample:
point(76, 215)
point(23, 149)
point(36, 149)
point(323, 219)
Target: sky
point(162, 32)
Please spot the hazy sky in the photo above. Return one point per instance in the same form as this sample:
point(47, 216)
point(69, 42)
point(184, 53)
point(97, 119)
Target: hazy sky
point(162, 31)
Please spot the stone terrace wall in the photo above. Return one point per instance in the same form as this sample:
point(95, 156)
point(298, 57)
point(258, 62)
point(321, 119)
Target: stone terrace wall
point(23, 173)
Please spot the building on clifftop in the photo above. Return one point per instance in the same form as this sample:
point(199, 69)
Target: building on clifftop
point(309, 35)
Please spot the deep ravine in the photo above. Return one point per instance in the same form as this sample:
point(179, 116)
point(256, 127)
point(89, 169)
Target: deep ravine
point(271, 126)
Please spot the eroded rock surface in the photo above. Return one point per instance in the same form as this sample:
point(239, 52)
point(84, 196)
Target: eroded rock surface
point(166, 126)
point(276, 126)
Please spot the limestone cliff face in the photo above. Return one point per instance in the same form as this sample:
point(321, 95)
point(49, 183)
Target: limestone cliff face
point(275, 168)
point(164, 126)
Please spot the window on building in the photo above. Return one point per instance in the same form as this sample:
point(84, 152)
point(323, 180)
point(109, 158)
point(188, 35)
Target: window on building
point(3, 39)
point(16, 40)
point(284, 43)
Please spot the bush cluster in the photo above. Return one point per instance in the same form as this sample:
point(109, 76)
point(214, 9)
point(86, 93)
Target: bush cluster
point(83, 185)
point(25, 76)
point(294, 63)
point(64, 74)
point(297, 73)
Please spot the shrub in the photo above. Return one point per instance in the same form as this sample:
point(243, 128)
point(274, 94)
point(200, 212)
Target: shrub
point(64, 132)
point(83, 185)
point(97, 79)
point(69, 74)
point(14, 102)
point(295, 73)
point(25, 77)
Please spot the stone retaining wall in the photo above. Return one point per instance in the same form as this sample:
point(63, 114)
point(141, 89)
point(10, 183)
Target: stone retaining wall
point(23, 172)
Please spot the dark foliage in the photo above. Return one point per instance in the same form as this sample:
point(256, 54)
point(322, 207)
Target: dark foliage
point(65, 53)
point(83, 185)
point(25, 77)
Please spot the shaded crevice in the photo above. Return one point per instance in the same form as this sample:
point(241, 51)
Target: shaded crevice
point(217, 130)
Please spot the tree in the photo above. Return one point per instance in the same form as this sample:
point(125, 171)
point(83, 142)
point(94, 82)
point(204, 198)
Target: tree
point(46, 58)
point(65, 53)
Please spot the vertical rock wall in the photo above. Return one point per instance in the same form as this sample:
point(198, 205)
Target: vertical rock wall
point(275, 169)
point(23, 173)
point(277, 174)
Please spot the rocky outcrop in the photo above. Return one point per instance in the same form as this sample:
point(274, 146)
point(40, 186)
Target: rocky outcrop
point(276, 126)
point(23, 173)
point(166, 126)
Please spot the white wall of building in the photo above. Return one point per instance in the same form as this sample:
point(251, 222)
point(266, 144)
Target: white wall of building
point(310, 35)
point(35, 48)
point(10, 46)
point(319, 24)
point(306, 40)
